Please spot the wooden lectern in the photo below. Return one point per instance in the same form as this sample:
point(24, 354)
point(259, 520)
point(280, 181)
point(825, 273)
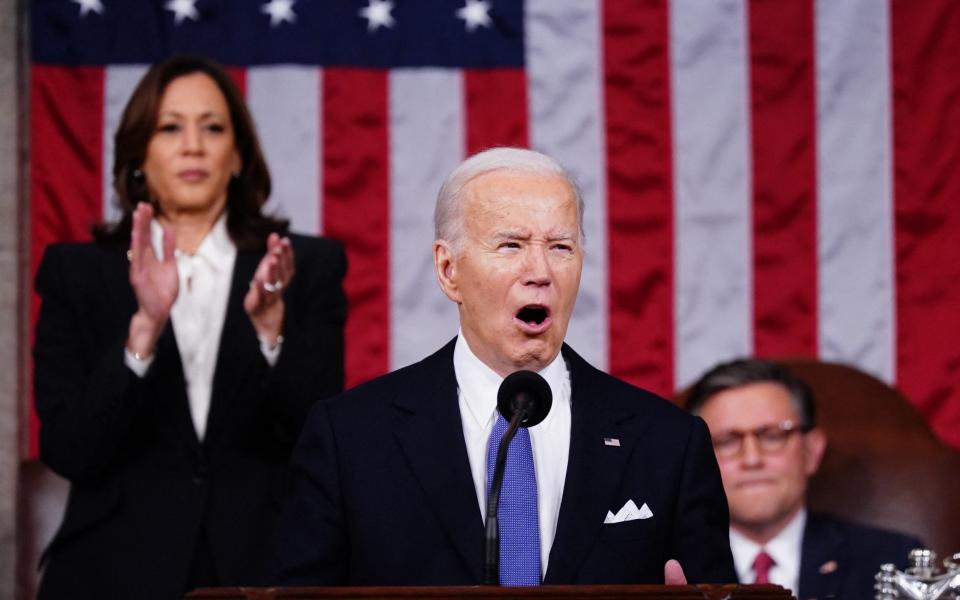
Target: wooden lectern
point(566, 592)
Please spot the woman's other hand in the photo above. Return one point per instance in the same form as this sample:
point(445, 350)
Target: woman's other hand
point(264, 300)
point(154, 280)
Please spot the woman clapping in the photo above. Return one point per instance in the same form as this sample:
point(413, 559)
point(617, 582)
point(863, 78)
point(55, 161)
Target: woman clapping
point(178, 354)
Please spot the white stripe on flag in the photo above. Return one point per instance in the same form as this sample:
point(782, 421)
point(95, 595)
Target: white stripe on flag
point(285, 103)
point(566, 121)
point(119, 83)
point(426, 142)
point(855, 253)
point(712, 184)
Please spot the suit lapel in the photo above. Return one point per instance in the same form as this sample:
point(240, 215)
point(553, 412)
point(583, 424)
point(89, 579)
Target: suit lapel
point(430, 434)
point(819, 569)
point(594, 471)
point(238, 344)
point(170, 371)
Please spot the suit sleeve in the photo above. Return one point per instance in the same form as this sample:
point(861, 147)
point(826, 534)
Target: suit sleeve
point(85, 395)
point(701, 534)
point(310, 365)
point(310, 546)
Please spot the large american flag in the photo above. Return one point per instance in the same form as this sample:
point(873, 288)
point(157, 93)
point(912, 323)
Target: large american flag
point(770, 177)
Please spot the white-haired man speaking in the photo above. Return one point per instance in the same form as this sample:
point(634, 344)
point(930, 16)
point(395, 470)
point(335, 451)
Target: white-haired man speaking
point(390, 479)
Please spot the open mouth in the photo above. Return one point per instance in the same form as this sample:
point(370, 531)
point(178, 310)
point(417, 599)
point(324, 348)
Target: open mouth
point(533, 315)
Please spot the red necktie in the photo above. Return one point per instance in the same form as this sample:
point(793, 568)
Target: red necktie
point(761, 566)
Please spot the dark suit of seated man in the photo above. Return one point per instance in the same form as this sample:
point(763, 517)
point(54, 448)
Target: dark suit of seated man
point(762, 419)
point(389, 479)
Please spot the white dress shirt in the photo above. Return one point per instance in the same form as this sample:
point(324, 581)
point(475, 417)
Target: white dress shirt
point(198, 314)
point(785, 549)
point(477, 394)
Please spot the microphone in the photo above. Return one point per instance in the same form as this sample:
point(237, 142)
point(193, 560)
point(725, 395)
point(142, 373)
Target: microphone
point(524, 399)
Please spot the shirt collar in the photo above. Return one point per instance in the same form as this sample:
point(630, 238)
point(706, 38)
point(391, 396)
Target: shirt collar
point(785, 548)
point(479, 383)
point(216, 248)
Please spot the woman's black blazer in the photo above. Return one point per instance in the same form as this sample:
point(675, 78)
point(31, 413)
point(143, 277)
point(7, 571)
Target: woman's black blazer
point(143, 488)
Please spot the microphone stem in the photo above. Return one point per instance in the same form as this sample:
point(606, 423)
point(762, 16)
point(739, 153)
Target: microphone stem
point(491, 562)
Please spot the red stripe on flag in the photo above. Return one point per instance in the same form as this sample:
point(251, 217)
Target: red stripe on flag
point(496, 108)
point(640, 192)
point(66, 185)
point(783, 99)
point(356, 209)
point(926, 118)
point(239, 77)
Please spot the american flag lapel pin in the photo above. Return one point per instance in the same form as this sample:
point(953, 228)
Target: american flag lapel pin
point(615, 442)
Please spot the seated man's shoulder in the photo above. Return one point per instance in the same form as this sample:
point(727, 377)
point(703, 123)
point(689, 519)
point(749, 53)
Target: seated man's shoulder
point(893, 545)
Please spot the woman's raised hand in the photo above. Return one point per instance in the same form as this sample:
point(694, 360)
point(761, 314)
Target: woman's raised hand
point(154, 280)
point(264, 300)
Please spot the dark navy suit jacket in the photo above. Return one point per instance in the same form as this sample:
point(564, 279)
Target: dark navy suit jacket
point(382, 492)
point(840, 558)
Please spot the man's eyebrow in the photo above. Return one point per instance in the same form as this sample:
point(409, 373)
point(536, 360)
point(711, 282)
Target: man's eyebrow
point(514, 234)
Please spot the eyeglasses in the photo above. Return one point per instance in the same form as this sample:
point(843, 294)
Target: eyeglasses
point(770, 439)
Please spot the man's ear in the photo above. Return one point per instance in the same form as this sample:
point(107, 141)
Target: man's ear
point(814, 447)
point(445, 263)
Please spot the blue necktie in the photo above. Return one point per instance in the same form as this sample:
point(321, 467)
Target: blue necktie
point(517, 514)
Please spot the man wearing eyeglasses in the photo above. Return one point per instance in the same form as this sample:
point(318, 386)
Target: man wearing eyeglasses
point(762, 421)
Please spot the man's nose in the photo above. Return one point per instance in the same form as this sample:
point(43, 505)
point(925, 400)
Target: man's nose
point(750, 455)
point(537, 266)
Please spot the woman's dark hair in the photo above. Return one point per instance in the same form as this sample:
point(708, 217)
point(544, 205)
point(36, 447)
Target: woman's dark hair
point(246, 194)
point(745, 371)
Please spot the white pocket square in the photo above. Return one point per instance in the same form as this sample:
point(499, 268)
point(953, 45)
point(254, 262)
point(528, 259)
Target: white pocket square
point(629, 512)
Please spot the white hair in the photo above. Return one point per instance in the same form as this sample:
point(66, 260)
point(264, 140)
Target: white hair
point(448, 220)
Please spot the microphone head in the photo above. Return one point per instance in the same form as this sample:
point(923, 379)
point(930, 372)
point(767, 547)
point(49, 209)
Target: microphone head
point(525, 391)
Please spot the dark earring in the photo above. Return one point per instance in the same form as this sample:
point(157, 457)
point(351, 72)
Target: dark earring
point(137, 174)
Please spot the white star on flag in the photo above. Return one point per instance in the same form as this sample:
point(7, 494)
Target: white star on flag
point(475, 13)
point(182, 9)
point(377, 14)
point(279, 11)
point(89, 5)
